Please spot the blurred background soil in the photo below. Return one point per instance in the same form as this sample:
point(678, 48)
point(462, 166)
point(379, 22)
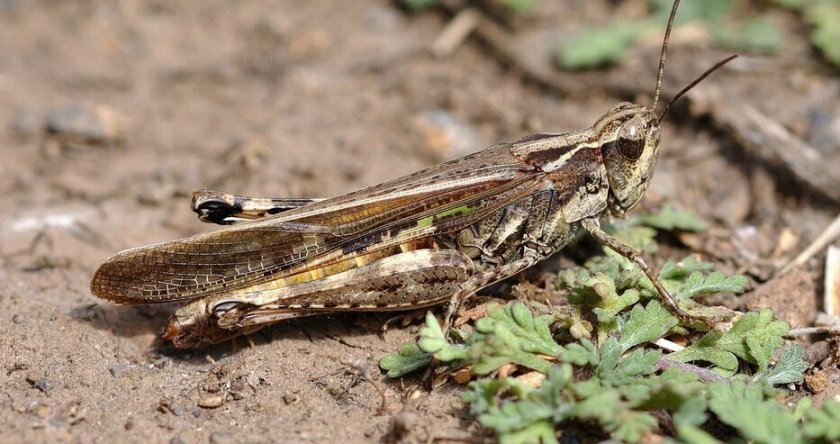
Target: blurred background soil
point(112, 113)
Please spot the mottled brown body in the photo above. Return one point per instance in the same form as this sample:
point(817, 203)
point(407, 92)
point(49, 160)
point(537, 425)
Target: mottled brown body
point(436, 235)
point(408, 243)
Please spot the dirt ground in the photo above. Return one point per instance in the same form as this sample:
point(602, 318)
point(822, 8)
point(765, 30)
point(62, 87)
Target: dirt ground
point(318, 98)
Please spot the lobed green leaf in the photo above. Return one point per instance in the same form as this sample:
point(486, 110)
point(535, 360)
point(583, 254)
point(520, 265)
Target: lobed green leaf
point(744, 407)
point(406, 360)
point(752, 338)
point(511, 334)
point(646, 324)
point(824, 423)
point(715, 282)
point(433, 341)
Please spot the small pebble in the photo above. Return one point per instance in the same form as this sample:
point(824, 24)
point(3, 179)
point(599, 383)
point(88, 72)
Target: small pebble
point(211, 402)
point(816, 382)
point(39, 383)
point(290, 398)
point(177, 409)
point(221, 438)
point(445, 136)
point(117, 370)
point(83, 123)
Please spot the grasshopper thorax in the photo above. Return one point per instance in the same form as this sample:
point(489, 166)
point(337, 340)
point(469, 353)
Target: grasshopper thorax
point(628, 136)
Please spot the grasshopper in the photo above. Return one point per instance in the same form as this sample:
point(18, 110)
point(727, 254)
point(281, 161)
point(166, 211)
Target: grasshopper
point(436, 235)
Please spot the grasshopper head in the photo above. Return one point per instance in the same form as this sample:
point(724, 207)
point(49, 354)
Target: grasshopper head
point(629, 140)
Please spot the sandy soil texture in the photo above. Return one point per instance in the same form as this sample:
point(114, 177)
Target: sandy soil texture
point(112, 113)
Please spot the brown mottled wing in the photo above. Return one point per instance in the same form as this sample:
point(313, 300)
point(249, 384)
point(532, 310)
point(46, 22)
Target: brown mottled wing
point(251, 253)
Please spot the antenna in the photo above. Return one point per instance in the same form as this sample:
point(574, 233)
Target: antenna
point(699, 79)
point(664, 53)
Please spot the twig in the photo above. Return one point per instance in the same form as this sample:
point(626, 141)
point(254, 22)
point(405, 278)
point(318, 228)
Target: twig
point(359, 369)
point(704, 374)
point(768, 139)
point(505, 49)
point(807, 331)
point(668, 345)
point(826, 237)
point(458, 29)
point(831, 294)
point(535, 63)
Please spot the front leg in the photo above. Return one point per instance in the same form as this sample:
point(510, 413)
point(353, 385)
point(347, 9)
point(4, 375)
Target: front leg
point(593, 226)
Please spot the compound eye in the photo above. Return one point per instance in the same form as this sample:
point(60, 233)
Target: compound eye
point(631, 141)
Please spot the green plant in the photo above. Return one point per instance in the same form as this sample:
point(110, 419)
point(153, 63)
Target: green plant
point(823, 16)
point(612, 378)
point(609, 44)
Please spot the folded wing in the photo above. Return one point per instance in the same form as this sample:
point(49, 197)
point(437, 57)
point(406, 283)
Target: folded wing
point(246, 254)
